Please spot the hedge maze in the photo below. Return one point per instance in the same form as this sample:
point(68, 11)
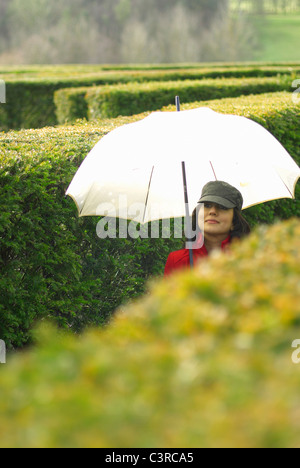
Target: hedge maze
point(33, 99)
point(38, 164)
point(202, 359)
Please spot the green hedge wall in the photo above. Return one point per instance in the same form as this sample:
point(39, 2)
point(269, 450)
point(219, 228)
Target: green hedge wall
point(71, 104)
point(52, 263)
point(30, 90)
point(204, 360)
point(3, 118)
point(130, 99)
point(152, 72)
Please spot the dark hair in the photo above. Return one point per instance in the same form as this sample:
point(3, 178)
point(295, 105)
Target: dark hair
point(241, 227)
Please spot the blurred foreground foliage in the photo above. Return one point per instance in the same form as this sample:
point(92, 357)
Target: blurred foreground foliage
point(203, 360)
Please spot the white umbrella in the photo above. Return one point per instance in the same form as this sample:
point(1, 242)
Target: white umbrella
point(140, 164)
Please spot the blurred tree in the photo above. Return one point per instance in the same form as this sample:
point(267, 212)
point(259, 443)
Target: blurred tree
point(258, 6)
point(208, 8)
point(3, 19)
point(110, 31)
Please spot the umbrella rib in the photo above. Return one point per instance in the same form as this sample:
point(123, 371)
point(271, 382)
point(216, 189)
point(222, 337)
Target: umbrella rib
point(286, 187)
point(213, 170)
point(148, 191)
point(279, 175)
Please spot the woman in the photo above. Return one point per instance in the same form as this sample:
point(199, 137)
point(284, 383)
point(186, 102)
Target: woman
point(219, 219)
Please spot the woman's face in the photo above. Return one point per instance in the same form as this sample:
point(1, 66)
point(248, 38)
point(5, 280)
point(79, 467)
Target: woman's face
point(215, 220)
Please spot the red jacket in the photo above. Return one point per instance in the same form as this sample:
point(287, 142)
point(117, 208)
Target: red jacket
point(181, 258)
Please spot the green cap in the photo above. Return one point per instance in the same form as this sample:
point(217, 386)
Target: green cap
point(223, 194)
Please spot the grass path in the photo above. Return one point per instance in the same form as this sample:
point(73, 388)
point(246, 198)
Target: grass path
point(279, 36)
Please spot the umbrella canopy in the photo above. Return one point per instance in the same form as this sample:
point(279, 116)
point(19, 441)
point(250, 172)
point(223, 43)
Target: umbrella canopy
point(140, 164)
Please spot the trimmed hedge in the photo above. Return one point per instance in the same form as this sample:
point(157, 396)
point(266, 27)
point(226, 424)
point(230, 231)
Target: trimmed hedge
point(204, 360)
point(71, 104)
point(156, 72)
point(52, 263)
point(130, 99)
point(3, 118)
point(30, 90)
